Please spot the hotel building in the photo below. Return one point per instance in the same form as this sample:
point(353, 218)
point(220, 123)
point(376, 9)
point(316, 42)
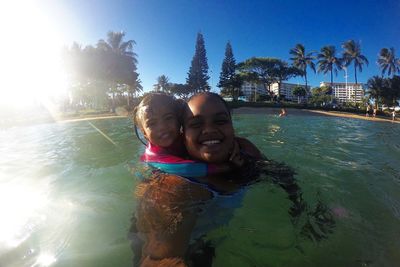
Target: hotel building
point(346, 92)
point(249, 89)
point(286, 90)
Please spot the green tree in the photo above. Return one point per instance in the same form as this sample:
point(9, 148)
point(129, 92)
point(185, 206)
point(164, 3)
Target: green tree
point(321, 95)
point(229, 81)
point(375, 88)
point(162, 84)
point(392, 93)
point(328, 62)
point(302, 60)
point(283, 72)
point(116, 44)
point(119, 61)
point(352, 54)
point(387, 61)
point(134, 86)
point(299, 91)
point(82, 67)
point(181, 90)
point(197, 79)
point(261, 70)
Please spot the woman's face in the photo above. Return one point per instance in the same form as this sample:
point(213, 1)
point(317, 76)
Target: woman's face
point(208, 129)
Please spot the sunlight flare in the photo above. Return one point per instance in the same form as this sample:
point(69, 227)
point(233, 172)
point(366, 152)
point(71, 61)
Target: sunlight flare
point(32, 61)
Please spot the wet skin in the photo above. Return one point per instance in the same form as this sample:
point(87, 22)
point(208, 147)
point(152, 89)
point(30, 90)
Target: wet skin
point(208, 129)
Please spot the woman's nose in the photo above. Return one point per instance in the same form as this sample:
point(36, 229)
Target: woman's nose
point(208, 128)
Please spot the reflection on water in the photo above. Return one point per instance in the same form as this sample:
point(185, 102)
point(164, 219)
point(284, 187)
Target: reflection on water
point(66, 196)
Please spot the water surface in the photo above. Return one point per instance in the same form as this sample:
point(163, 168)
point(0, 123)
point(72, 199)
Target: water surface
point(66, 194)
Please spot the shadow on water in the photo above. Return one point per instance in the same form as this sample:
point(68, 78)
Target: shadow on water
point(175, 214)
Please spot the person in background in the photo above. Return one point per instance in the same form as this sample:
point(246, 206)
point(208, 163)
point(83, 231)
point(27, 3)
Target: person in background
point(283, 112)
point(374, 111)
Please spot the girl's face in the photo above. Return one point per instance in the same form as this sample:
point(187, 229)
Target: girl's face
point(208, 129)
point(160, 123)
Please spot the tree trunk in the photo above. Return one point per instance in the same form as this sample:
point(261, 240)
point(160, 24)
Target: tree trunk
point(305, 78)
point(113, 102)
point(355, 72)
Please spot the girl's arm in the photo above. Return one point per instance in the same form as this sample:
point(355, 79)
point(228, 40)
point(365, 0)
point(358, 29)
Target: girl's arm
point(187, 168)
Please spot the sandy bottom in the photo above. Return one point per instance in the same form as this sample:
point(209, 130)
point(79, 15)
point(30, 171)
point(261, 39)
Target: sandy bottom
point(294, 111)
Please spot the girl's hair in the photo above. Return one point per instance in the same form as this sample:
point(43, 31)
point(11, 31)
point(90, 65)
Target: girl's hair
point(211, 94)
point(149, 100)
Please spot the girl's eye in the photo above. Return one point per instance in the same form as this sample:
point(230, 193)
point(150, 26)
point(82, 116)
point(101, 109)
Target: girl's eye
point(150, 124)
point(169, 117)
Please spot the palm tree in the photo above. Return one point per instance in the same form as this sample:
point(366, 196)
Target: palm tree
point(116, 44)
point(120, 60)
point(163, 83)
point(301, 59)
point(387, 61)
point(328, 62)
point(352, 53)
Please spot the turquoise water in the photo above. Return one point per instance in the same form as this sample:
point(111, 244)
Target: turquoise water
point(66, 194)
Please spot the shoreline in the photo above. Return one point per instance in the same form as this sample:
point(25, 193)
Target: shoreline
point(241, 110)
point(312, 112)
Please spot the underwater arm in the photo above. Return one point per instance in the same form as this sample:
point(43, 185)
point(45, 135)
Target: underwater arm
point(166, 214)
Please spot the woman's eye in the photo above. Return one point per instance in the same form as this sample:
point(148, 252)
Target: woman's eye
point(221, 121)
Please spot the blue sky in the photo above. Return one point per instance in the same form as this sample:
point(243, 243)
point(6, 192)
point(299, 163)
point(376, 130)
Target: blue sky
point(165, 31)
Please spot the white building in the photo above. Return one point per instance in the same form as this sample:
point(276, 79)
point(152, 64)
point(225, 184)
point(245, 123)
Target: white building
point(346, 92)
point(250, 89)
point(286, 90)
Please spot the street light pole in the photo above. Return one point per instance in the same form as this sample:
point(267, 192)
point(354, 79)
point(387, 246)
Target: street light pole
point(345, 77)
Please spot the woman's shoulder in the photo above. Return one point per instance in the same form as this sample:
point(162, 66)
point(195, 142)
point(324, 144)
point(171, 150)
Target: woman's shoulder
point(249, 148)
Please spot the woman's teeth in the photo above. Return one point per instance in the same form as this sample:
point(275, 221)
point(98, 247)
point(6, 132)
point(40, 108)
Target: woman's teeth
point(211, 142)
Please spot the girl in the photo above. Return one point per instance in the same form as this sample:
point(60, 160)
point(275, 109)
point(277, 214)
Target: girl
point(157, 116)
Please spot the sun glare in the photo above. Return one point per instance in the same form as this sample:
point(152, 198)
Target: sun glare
point(31, 57)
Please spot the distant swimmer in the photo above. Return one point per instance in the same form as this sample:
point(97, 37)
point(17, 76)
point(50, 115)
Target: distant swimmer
point(283, 112)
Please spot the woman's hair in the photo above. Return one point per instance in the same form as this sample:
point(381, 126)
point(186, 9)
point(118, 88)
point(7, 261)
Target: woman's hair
point(148, 101)
point(210, 94)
